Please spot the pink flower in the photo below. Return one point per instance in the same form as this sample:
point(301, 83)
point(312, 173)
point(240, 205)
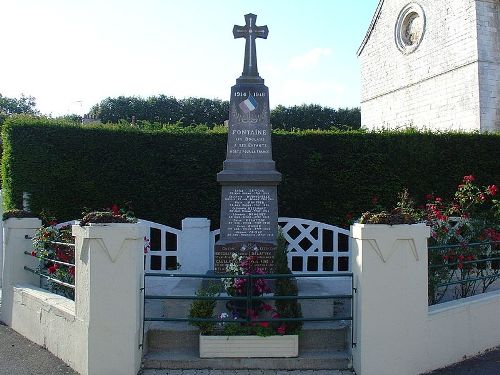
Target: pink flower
point(439, 199)
point(281, 329)
point(492, 189)
point(469, 178)
point(267, 307)
point(482, 197)
point(429, 197)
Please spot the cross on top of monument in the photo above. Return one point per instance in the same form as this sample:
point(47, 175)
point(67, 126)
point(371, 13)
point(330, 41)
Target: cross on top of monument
point(250, 32)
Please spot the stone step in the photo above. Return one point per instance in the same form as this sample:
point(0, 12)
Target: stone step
point(307, 360)
point(312, 338)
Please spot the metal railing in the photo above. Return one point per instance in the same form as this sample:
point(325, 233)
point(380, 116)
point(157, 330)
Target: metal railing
point(462, 270)
point(250, 299)
point(38, 271)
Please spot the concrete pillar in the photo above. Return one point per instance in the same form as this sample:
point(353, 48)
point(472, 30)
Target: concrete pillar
point(17, 235)
point(194, 256)
point(390, 274)
point(109, 276)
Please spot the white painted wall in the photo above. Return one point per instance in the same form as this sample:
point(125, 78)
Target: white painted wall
point(396, 333)
point(99, 333)
point(450, 82)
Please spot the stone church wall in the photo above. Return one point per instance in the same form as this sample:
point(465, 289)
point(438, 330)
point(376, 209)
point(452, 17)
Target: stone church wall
point(488, 30)
point(431, 87)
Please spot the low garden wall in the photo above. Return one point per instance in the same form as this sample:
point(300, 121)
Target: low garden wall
point(49, 320)
point(394, 329)
point(101, 331)
point(462, 328)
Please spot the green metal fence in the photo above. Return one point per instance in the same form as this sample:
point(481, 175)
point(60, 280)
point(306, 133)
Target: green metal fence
point(249, 299)
point(462, 270)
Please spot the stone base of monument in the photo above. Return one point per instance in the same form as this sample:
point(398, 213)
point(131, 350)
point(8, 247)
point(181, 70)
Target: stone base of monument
point(264, 253)
point(322, 345)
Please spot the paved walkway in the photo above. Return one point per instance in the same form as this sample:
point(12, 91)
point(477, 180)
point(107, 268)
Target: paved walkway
point(246, 372)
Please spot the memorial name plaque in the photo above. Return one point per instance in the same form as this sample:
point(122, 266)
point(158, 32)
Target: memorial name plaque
point(249, 203)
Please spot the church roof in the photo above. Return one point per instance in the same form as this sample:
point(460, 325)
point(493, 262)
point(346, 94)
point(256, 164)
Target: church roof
point(371, 27)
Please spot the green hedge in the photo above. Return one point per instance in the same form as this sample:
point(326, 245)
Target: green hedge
point(171, 174)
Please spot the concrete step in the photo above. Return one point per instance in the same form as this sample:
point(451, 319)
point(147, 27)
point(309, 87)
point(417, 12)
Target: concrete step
point(307, 360)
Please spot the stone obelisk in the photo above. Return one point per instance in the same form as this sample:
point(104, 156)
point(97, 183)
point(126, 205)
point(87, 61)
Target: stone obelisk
point(249, 205)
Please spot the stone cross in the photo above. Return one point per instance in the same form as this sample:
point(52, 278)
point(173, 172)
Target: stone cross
point(250, 32)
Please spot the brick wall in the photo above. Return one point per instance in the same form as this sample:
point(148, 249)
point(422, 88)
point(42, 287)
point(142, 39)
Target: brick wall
point(436, 86)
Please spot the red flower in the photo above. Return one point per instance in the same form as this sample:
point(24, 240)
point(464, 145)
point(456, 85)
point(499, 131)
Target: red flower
point(116, 210)
point(281, 329)
point(429, 197)
point(52, 222)
point(267, 307)
point(469, 178)
point(72, 271)
point(264, 324)
point(52, 268)
point(439, 199)
point(492, 189)
point(482, 197)
point(33, 253)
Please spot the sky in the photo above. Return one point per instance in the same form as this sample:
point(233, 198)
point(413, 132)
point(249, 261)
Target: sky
point(71, 54)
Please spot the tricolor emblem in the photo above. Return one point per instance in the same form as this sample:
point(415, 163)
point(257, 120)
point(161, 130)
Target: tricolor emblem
point(248, 105)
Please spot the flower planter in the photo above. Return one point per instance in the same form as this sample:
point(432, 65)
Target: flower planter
point(249, 346)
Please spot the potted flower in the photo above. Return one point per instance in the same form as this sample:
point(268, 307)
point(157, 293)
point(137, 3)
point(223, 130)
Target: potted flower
point(257, 330)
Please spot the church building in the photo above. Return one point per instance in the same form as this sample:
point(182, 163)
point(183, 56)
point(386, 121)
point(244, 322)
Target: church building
point(432, 64)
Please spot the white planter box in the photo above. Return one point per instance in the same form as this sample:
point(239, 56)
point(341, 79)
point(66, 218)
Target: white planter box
point(249, 346)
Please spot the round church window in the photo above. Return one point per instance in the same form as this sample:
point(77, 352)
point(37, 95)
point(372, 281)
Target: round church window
point(410, 28)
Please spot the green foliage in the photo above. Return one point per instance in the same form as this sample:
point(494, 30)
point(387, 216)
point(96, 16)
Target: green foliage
point(204, 308)
point(25, 104)
point(314, 116)
point(286, 308)
point(170, 174)
point(105, 217)
point(18, 214)
point(163, 109)
point(403, 213)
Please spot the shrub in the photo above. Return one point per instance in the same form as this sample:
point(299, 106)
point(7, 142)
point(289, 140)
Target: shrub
point(170, 174)
point(286, 308)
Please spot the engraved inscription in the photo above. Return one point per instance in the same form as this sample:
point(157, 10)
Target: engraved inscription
point(263, 252)
point(249, 213)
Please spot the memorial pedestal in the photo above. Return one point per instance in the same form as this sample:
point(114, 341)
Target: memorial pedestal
point(249, 202)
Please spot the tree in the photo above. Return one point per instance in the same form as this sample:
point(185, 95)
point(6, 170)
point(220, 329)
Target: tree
point(25, 104)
